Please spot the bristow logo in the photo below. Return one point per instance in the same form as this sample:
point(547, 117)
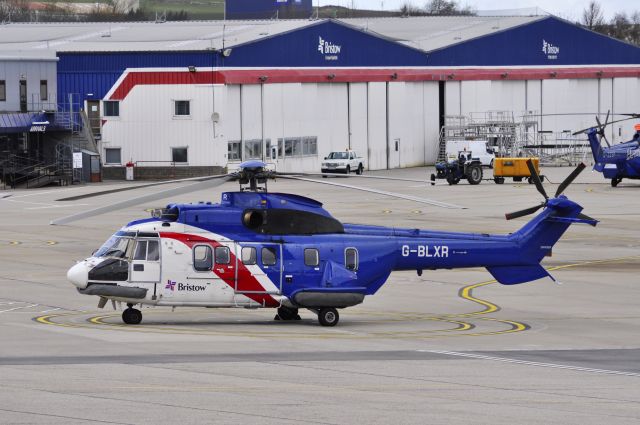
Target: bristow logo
point(171, 285)
point(550, 50)
point(327, 48)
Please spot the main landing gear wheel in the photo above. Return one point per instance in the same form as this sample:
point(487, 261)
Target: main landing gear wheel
point(131, 316)
point(286, 313)
point(328, 316)
point(615, 181)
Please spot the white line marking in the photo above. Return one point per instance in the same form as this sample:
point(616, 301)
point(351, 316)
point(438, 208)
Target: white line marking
point(52, 309)
point(529, 363)
point(18, 308)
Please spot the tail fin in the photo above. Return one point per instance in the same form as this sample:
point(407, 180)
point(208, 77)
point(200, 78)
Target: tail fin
point(596, 147)
point(536, 240)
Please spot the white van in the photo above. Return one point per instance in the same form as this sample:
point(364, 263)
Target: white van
point(478, 149)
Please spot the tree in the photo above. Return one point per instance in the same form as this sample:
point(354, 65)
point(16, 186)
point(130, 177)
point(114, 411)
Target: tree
point(593, 17)
point(409, 9)
point(447, 7)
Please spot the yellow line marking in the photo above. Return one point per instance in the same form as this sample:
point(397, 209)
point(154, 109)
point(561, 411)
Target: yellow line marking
point(15, 243)
point(52, 243)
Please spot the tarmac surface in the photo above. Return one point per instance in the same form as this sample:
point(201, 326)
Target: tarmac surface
point(449, 347)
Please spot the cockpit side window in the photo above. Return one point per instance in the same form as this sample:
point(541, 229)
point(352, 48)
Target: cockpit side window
point(147, 250)
point(141, 251)
point(153, 251)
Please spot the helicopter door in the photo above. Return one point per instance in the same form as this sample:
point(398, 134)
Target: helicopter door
point(145, 265)
point(261, 268)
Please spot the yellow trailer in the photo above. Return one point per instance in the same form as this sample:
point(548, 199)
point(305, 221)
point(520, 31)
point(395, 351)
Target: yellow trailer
point(515, 168)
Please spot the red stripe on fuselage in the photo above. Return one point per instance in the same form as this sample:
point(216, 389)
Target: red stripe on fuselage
point(225, 272)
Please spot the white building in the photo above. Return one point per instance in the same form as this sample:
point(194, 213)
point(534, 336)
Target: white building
point(210, 94)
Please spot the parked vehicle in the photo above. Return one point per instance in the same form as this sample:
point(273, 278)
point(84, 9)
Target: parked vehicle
point(477, 148)
point(464, 167)
point(343, 162)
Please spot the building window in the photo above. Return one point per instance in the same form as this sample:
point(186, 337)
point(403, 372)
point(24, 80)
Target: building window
point(112, 156)
point(202, 258)
point(182, 108)
point(252, 149)
point(3, 91)
point(311, 257)
point(44, 91)
point(179, 155)
point(351, 259)
point(111, 108)
point(298, 146)
point(235, 151)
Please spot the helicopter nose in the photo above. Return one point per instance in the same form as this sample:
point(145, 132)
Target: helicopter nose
point(78, 275)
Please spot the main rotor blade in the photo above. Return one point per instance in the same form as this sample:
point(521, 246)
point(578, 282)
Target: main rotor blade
point(586, 217)
point(141, 186)
point(403, 179)
point(522, 213)
point(536, 179)
point(584, 130)
point(208, 184)
point(379, 192)
point(570, 178)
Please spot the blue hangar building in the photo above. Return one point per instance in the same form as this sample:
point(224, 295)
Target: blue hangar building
point(195, 97)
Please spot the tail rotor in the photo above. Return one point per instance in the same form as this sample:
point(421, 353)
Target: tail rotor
point(561, 188)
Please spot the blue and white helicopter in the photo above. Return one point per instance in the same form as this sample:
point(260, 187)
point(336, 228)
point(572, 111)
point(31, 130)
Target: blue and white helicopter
point(617, 162)
point(261, 249)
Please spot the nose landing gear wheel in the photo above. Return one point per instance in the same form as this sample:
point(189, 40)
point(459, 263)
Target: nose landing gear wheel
point(328, 316)
point(132, 316)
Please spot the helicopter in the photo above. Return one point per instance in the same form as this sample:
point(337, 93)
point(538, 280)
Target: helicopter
point(260, 249)
point(618, 161)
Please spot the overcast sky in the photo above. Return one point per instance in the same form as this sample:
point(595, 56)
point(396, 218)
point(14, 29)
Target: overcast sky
point(568, 9)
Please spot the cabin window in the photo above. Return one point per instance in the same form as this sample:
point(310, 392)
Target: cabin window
point(3, 90)
point(311, 257)
point(351, 259)
point(268, 256)
point(222, 255)
point(202, 258)
point(147, 251)
point(249, 255)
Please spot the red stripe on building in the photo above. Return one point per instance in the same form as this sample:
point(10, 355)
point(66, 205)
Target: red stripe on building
point(227, 272)
point(273, 76)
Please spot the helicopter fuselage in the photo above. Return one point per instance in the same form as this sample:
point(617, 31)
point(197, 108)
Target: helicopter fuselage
point(279, 250)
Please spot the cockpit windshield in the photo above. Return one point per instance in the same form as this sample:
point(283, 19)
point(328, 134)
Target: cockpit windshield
point(116, 246)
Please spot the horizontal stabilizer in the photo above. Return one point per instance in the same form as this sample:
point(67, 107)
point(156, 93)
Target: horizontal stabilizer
point(584, 219)
point(511, 275)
